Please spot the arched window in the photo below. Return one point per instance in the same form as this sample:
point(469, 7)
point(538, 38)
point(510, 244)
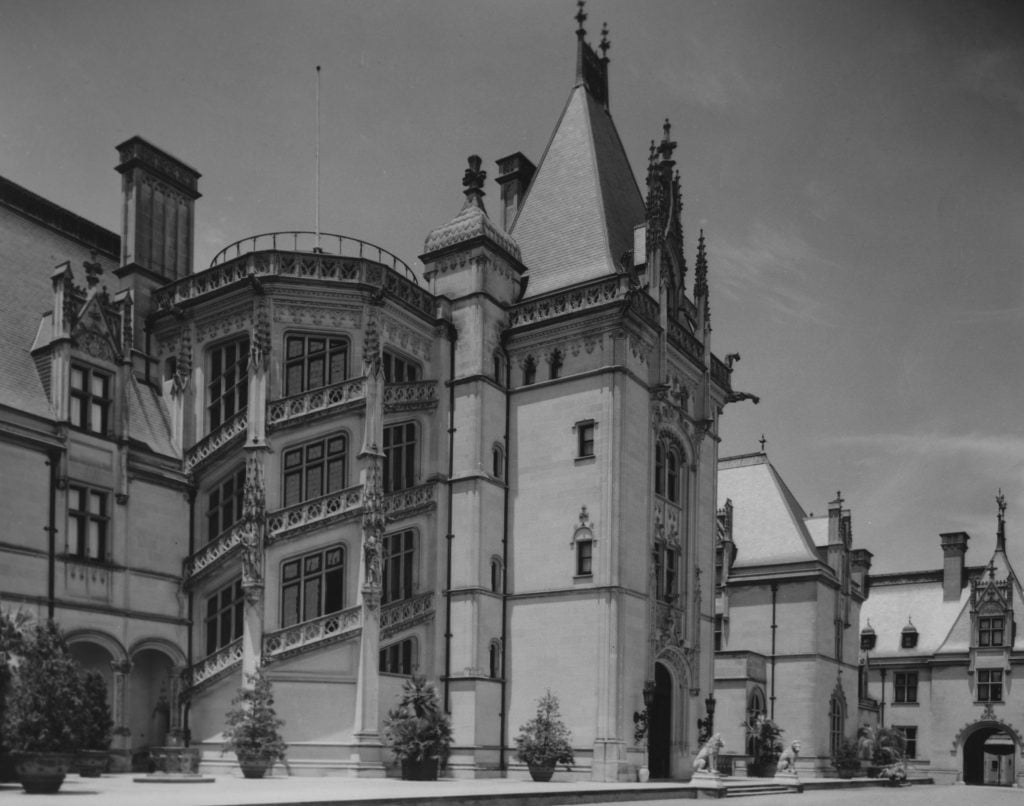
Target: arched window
point(669, 471)
point(529, 371)
point(836, 721)
point(494, 659)
point(497, 461)
point(583, 545)
point(496, 575)
point(555, 364)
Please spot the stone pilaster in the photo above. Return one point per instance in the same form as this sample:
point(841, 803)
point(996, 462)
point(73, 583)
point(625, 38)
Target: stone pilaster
point(121, 744)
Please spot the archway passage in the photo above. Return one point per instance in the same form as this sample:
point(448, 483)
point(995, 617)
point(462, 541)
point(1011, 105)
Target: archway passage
point(659, 746)
point(988, 758)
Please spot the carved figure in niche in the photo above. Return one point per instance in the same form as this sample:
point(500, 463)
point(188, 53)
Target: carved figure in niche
point(787, 761)
point(371, 557)
point(251, 551)
point(706, 760)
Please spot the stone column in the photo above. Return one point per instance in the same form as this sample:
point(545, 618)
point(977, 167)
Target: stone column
point(121, 745)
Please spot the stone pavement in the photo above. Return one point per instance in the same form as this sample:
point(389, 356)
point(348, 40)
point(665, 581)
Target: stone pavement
point(228, 790)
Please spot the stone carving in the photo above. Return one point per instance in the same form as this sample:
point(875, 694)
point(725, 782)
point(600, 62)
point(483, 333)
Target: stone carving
point(787, 760)
point(253, 523)
point(706, 760)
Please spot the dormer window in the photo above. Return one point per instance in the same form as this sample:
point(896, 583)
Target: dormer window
point(868, 637)
point(90, 399)
point(991, 630)
point(908, 638)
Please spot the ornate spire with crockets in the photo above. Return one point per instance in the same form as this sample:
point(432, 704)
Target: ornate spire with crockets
point(700, 279)
point(1001, 528)
point(591, 69)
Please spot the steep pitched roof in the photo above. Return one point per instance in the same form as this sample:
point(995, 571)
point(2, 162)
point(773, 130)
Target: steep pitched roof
point(769, 525)
point(578, 216)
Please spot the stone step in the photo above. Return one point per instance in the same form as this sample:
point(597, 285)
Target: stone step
point(735, 791)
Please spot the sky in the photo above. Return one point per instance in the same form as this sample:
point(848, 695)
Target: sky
point(857, 168)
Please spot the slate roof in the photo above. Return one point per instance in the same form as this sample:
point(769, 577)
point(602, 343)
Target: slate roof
point(471, 223)
point(768, 524)
point(578, 215)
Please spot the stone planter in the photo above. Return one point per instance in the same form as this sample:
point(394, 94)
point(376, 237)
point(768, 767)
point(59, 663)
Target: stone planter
point(423, 770)
point(42, 773)
point(182, 760)
point(254, 766)
point(92, 763)
point(542, 772)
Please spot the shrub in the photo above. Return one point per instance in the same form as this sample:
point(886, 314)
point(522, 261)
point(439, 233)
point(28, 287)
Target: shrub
point(544, 740)
point(253, 727)
point(96, 723)
point(417, 729)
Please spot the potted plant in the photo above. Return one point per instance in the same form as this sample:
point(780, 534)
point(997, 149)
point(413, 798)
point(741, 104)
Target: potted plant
point(418, 731)
point(95, 727)
point(847, 759)
point(543, 742)
point(253, 731)
point(766, 746)
point(881, 748)
point(13, 630)
point(44, 711)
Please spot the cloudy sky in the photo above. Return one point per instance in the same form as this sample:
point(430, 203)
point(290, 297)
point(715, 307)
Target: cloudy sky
point(857, 166)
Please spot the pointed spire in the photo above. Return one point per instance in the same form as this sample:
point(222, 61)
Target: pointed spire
point(605, 43)
point(1001, 529)
point(581, 17)
point(700, 281)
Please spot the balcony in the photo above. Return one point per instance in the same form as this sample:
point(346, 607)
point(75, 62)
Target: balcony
point(405, 614)
point(221, 546)
point(311, 634)
point(308, 405)
point(215, 440)
point(317, 512)
point(215, 666)
point(405, 503)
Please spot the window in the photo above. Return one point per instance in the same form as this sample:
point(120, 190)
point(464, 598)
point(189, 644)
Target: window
point(555, 364)
point(666, 571)
point(499, 370)
point(224, 504)
point(910, 734)
point(585, 438)
point(315, 469)
point(224, 616)
point(836, 723)
point(314, 361)
point(228, 388)
point(529, 371)
point(494, 660)
point(399, 457)
point(585, 557)
point(397, 658)
point(905, 687)
point(496, 575)
point(719, 627)
point(668, 472)
point(398, 557)
point(990, 685)
point(399, 370)
point(90, 399)
point(719, 566)
point(88, 518)
point(497, 462)
point(312, 586)
point(908, 638)
point(840, 632)
point(990, 630)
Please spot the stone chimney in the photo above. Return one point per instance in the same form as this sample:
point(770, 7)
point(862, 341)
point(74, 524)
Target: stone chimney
point(954, 547)
point(860, 565)
point(515, 172)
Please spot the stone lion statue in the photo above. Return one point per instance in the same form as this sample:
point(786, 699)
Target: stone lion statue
point(787, 760)
point(706, 759)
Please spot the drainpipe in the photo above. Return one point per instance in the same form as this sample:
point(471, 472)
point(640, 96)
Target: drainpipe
point(503, 713)
point(51, 529)
point(189, 648)
point(881, 706)
point(453, 336)
point(775, 626)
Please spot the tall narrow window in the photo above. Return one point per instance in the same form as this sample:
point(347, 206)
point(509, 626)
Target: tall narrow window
point(228, 387)
point(314, 361)
point(555, 364)
point(499, 370)
point(659, 469)
point(90, 399)
point(669, 472)
point(88, 521)
point(497, 462)
point(584, 558)
point(836, 723)
point(224, 614)
point(398, 658)
point(224, 504)
point(496, 575)
point(399, 565)
point(990, 685)
point(398, 369)
point(666, 569)
point(494, 660)
point(719, 627)
point(312, 586)
point(672, 476)
point(529, 371)
point(315, 469)
point(585, 438)
point(399, 457)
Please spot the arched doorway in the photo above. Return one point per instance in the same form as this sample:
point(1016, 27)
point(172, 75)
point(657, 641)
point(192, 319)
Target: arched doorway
point(988, 758)
point(150, 702)
point(659, 747)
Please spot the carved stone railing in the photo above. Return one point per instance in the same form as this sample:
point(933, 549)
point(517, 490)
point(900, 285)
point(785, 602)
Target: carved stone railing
point(269, 255)
point(215, 666)
point(309, 634)
point(208, 555)
point(410, 396)
point(721, 373)
point(215, 440)
point(405, 614)
point(403, 503)
point(568, 302)
point(686, 341)
point(317, 401)
point(313, 513)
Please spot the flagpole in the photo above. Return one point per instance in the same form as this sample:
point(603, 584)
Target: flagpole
point(317, 185)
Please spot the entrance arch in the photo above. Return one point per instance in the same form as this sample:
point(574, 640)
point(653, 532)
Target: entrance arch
point(989, 757)
point(659, 746)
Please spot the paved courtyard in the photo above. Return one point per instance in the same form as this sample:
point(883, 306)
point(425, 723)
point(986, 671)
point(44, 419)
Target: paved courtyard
point(121, 790)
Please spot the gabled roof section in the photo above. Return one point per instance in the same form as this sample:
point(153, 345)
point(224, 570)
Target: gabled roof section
point(769, 525)
point(578, 216)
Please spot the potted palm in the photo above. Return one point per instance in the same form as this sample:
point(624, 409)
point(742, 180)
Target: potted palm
point(418, 731)
point(42, 720)
point(253, 731)
point(95, 725)
point(764, 740)
point(543, 742)
point(847, 759)
point(883, 750)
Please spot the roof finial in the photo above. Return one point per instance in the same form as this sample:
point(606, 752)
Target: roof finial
point(667, 146)
point(605, 44)
point(93, 270)
point(700, 279)
point(473, 182)
point(581, 17)
point(1001, 528)
point(762, 441)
